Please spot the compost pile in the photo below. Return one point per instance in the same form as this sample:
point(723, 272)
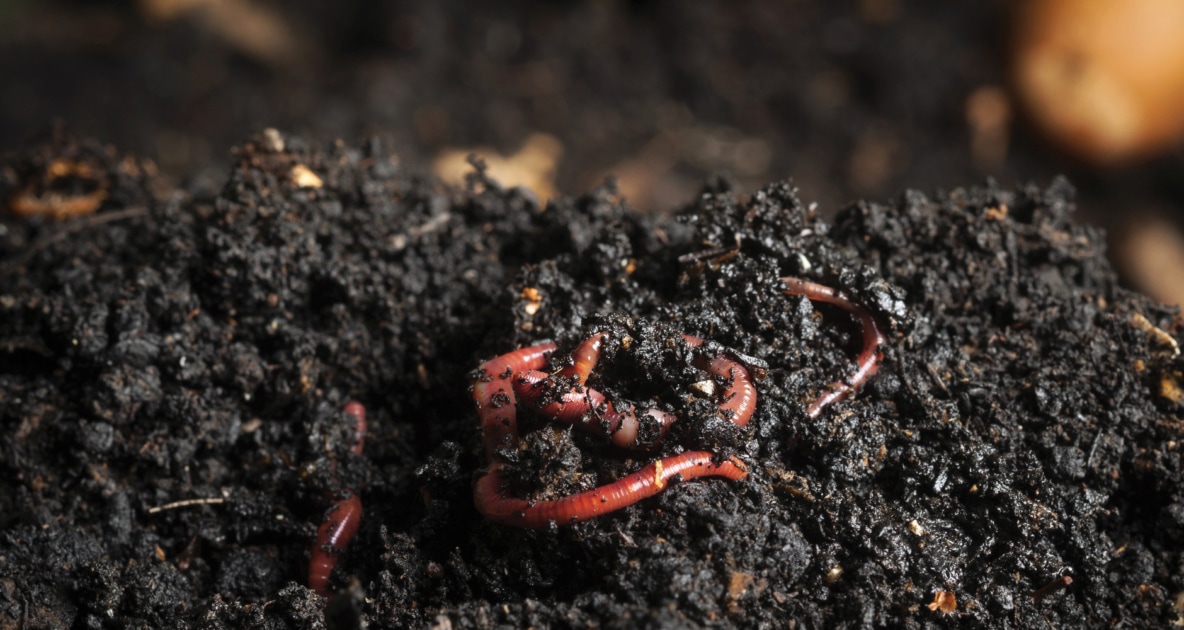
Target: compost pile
point(174, 368)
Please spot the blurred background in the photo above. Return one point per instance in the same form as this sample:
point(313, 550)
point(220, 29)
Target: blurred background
point(852, 99)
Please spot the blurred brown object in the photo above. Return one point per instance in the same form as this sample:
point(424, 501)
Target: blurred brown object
point(63, 178)
point(61, 204)
point(655, 178)
point(875, 158)
point(254, 30)
point(532, 167)
point(649, 180)
point(1103, 79)
point(1149, 250)
point(988, 113)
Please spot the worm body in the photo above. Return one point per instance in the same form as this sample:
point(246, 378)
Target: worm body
point(869, 358)
point(497, 405)
point(586, 409)
point(739, 398)
point(492, 490)
point(341, 520)
point(518, 377)
point(333, 536)
point(585, 358)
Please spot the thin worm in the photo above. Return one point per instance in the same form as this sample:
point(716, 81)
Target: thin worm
point(491, 492)
point(1052, 587)
point(518, 375)
point(341, 520)
point(497, 408)
point(739, 398)
point(587, 409)
point(869, 358)
point(333, 536)
point(585, 358)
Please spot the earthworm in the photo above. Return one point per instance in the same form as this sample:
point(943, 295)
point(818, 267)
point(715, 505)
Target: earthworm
point(514, 375)
point(518, 376)
point(497, 406)
point(585, 358)
point(491, 492)
point(739, 398)
point(587, 408)
point(341, 520)
point(333, 536)
point(869, 358)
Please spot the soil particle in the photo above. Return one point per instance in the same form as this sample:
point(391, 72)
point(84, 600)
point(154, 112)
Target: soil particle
point(172, 386)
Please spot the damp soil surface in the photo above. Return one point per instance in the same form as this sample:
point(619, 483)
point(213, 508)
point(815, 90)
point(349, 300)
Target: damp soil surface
point(174, 367)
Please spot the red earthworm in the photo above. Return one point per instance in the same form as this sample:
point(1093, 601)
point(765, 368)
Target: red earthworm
point(333, 536)
point(517, 375)
point(497, 408)
point(739, 398)
point(341, 520)
point(491, 492)
point(869, 358)
point(585, 358)
point(587, 409)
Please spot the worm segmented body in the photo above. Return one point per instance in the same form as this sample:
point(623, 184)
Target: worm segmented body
point(587, 409)
point(869, 358)
point(497, 405)
point(333, 536)
point(517, 378)
point(341, 520)
point(492, 501)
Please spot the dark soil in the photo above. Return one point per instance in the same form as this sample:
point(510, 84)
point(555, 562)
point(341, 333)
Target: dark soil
point(173, 347)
